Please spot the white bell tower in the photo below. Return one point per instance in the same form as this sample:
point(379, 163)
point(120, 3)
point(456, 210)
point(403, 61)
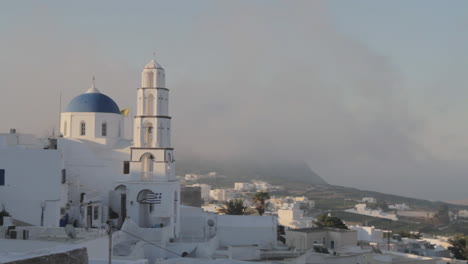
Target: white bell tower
point(152, 193)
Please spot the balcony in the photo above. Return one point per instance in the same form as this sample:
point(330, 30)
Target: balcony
point(147, 176)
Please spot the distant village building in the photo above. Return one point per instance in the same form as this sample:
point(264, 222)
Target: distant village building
point(369, 200)
point(399, 207)
point(243, 186)
point(205, 191)
point(331, 238)
point(363, 210)
point(191, 196)
point(463, 213)
point(293, 217)
point(221, 195)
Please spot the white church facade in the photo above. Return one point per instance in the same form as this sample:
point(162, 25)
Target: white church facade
point(92, 174)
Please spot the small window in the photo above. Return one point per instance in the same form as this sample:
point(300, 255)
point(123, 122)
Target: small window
point(65, 128)
point(126, 167)
point(104, 129)
point(64, 176)
point(83, 128)
point(2, 177)
point(151, 208)
point(96, 213)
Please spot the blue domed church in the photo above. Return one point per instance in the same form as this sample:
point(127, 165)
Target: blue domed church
point(93, 116)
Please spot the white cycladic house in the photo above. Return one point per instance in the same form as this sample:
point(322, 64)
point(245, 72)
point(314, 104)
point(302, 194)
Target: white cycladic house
point(293, 217)
point(368, 233)
point(33, 183)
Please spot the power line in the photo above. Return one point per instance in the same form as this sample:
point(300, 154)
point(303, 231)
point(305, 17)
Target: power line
point(142, 239)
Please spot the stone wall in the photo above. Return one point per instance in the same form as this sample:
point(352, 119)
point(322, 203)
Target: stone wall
point(76, 256)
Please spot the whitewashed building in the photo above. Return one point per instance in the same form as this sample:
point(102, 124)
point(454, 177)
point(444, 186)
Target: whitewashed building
point(243, 186)
point(35, 193)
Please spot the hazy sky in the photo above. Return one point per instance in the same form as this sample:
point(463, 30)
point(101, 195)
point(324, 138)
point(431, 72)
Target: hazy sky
point(370, 93)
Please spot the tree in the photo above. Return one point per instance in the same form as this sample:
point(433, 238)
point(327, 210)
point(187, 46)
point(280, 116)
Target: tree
point(233, 207)
point(325, 220)
point(459, 246)
point(2, 214)
point(259, 199)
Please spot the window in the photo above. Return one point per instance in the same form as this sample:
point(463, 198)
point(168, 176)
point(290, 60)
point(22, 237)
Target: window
point(151, 208)
point(83, 128)
point(64, 176)
point(65, 128)
point(126, 167)
point(104, 129)
point(2, 177)
point(96, 213)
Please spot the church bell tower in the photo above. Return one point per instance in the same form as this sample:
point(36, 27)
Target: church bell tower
point(152, 193)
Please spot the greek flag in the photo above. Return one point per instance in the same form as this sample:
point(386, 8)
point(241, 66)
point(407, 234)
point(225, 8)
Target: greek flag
point(153, 198)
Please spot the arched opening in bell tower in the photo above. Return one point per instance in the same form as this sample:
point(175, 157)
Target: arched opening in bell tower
point(148, 80)
point(148, 137)
point(149, 105)
point(147, 166)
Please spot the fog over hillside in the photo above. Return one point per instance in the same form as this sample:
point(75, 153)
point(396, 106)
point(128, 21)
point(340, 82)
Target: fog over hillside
point(270, 82)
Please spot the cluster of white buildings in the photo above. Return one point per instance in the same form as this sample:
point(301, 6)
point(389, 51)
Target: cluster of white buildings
point(462, 214)
point(190, 177)
point(92, 176)
point(252, 186)
point(291, 211)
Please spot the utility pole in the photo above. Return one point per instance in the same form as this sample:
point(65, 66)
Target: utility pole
point(109, 231)
point(388, 236)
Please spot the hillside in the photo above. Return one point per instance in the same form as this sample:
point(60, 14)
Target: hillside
point(296, 177)
point(290, 174)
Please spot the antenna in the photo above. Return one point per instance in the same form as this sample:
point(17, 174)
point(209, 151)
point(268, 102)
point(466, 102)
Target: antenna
point(154, 54)
point(60, 110)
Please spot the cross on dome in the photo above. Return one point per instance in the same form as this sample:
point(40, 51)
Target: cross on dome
point(93, 88)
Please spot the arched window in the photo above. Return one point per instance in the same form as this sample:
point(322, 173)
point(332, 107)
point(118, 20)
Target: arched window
point(149, 104)
point(82, 128)
point(104, 129)
point(65, 128)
